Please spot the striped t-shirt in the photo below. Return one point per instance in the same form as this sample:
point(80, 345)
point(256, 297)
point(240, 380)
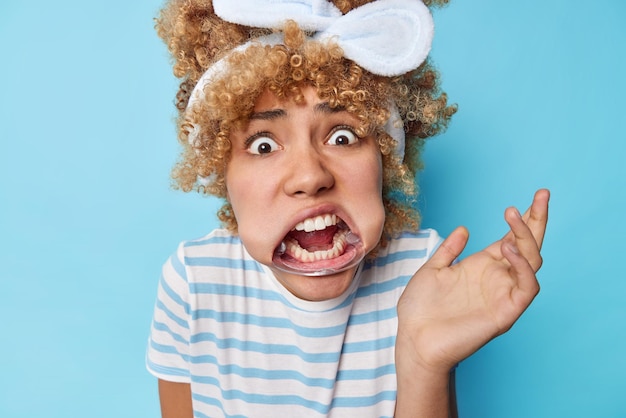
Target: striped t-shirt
point(249, 348)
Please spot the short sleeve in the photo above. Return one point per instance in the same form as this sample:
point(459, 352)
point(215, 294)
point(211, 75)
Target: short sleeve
point(167, 355)
point(433, 242)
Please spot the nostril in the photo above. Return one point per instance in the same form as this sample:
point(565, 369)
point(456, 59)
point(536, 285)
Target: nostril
point(309, 176)
point(319, 190)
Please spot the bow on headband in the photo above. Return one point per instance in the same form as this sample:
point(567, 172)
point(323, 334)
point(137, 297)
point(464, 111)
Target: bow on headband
point(386, 37)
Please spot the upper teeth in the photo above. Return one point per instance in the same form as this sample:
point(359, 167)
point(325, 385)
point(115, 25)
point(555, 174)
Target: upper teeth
point(317, 223)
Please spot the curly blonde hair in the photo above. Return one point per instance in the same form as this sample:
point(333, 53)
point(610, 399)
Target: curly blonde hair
point(197, 38)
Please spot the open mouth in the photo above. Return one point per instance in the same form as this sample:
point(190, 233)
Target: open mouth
point(319, 246)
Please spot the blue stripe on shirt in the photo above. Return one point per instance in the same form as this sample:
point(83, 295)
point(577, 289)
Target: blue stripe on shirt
point(267, 322)
point(255, 398)
point(284, 323)
point(256, 373)
point(160, 326)
point(364, 401)
point(173, 295)
point(168, 349)
point(255, 347)
point(366, 374)
point(373, 316)
point(370, 345)
point(377, 288)
point(198, 414)
point(230, 239)
point(397, 256)
point(231, 263)
point(287, 349)
point(239, 291)
point(322, 408)
point(180, 321)
point(178, 267)
point(249, 292)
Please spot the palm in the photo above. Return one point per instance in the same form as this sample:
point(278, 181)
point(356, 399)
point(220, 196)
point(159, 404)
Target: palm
point(449, 311)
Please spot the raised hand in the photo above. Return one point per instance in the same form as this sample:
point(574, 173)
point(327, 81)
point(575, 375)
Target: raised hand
point(448, 311)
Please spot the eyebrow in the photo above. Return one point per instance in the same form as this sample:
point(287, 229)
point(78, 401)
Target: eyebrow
point(273, 114)
point(268, 114)
point(324, 107)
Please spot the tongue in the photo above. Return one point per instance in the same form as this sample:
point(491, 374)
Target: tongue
point(315, 240)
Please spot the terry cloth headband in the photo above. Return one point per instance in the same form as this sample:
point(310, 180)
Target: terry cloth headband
point(385, 37)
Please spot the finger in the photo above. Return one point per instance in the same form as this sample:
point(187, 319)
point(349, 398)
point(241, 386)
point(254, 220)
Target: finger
point(450, 249)
point(527, 284)
point(522, 238)
point(536, 216)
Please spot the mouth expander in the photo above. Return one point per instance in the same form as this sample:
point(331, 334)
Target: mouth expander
point(291, 258)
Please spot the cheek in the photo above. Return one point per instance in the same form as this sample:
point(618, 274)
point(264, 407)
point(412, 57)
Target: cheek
point(236, 191)
point(251, 195)
point(377, 179)
point(243, 202)
point(247, 190)
point(368, 182)
point(374, 175)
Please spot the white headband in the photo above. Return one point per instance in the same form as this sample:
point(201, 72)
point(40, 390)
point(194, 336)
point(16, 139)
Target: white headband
point(385, 37)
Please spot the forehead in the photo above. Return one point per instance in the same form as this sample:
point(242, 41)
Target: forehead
point(269, 100)
point(303, 102)
point(268, 106)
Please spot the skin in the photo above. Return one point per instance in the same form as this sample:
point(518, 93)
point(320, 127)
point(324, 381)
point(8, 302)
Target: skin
point(447, 311)
point(305, 174)
point(175, 399)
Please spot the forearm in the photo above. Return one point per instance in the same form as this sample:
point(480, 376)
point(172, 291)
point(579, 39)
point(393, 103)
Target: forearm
point(422, 394)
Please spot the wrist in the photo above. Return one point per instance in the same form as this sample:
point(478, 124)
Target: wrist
point(423, 376)
point(422, 391)
point(415, 356)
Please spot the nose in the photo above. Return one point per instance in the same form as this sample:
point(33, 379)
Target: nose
point(308, 174)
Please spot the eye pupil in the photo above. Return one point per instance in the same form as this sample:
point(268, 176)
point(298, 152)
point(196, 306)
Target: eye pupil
point(343, 137)
point(264, 148)
point(343, 140)
point(261, 144)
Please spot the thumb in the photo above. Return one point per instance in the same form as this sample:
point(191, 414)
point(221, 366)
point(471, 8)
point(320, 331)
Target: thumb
point(450, 249)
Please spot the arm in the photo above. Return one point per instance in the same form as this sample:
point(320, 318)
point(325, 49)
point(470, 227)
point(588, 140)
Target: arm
point(448, 311)
point(175, 399)
point(433, 395)
point(423, 393)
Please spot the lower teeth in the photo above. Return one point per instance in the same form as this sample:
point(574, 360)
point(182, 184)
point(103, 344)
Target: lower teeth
point(293, 249)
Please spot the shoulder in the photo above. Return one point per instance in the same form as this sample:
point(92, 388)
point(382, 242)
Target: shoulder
point(422, 243)
point(218, 242)
point(214, 257)
point(405, 253)
point(216, 237)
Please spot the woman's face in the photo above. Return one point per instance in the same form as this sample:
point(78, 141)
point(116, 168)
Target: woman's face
point(299, 178)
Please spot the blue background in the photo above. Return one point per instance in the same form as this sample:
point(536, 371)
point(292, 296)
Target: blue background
point(87, 216)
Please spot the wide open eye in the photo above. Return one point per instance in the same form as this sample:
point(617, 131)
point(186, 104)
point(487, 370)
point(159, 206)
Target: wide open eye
point(342, 136)
point(262, 145)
